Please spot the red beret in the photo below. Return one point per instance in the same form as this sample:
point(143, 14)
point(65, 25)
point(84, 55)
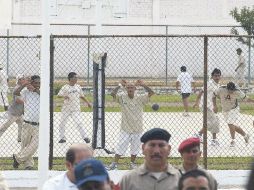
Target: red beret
point(190, 142)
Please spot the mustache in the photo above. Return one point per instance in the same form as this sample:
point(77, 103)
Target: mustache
point(156, 156)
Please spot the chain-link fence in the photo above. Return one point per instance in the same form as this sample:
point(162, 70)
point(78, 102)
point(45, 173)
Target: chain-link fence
point(156, 60)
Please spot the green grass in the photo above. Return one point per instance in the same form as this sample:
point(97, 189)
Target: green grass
point(214, 163)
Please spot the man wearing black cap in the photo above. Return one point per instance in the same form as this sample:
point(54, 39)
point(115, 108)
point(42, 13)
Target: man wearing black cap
point(156, 173)
point(190, 153)
point(229, 97)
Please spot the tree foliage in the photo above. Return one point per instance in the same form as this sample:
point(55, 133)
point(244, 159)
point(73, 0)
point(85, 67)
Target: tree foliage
point(245, 17)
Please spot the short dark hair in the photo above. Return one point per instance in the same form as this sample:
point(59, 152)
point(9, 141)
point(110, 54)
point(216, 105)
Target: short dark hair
point(231, 86)
point(183, 69)
point(71, 75)
point(239, 49)
point(216, 71)
point(193, 173)
point(34, 77)
point(70, 155)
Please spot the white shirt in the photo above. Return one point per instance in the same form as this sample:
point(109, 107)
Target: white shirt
point(185, 80)
point(3, 81)
point(31, 105)
point(212, 86)
point(60, 182)
point(74, 93)
point(242, 67)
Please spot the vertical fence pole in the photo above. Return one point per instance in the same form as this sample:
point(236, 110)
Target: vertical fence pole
point(51, 112)
point(249, 61)
point(8, 52)
point(205, 102)
point(88, 55)
point(166, 55)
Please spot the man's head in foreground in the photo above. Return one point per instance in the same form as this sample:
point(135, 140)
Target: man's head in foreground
point(194, 180)
point(91, 175)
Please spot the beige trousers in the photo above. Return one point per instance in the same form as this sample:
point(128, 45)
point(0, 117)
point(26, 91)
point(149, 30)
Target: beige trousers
point(29, 144)
point(11, 119)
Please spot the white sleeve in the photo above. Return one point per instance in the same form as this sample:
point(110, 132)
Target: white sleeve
point(62, 91)
point(81, 93)
point(23, 93)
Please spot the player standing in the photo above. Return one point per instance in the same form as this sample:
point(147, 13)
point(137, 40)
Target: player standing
point(72, 93)
point(240, 69)
point(186, 81)
point(132, 106)
point(213, 123)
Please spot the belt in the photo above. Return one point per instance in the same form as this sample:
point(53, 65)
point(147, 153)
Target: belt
point(31, 122)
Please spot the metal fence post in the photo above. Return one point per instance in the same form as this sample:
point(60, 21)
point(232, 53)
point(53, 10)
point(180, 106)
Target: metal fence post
point(88, 55)
point(8, 52)
point(51, 116)
point(249, 61)
point(205, 102)
point(166, 55)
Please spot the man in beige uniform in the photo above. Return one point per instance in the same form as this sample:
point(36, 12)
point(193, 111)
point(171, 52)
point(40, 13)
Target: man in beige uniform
point(30, 129)
point(240, 69)
point(156, 173)
point(229, 96)
point(132, 119)
point(190, 153)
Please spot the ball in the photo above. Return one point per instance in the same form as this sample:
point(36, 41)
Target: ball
point(155, 107)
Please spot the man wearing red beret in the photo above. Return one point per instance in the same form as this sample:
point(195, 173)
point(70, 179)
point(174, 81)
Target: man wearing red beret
point(190, 153)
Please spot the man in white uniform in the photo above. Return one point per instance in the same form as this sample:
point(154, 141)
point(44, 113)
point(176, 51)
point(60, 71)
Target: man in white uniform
point(186, 81)
point(30, 129)
point(132, 106)
point(15, 110)
point(3, 88)
point(240, 69)
point(213, 123)
point(72, 93)
point(66, 181)
point(229, 97)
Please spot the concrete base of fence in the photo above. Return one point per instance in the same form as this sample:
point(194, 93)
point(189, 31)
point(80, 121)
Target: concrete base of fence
point(227, 179)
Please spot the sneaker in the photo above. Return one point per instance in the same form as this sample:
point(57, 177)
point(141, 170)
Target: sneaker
point(186, 114)
point(214, 142)
point(247, 138)
point(15, 162)
point(133, 165)
point(112, 166)
point(19, 140)
point(232, 143)
point(87, 140)
point(62, 141)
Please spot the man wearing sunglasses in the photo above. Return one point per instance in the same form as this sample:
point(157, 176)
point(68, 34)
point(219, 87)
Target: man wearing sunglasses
point(190, 153)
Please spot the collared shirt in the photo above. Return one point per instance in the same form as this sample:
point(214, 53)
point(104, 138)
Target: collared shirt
point(31, 105)
point(74, 93)
point(212, 86)
point(185, 80)
point(15, 108)
point(212, 180)
point(3, 185)
point(3, 81)
point(132, 112)
point(241, 62)
point(60, 182)
point(142, 179)
point(229, 101)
